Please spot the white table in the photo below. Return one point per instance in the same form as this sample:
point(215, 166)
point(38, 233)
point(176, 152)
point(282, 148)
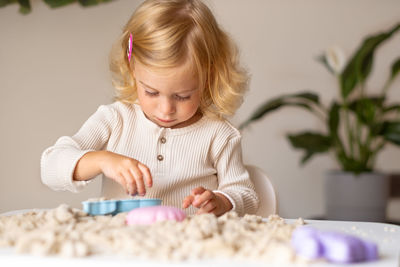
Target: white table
point(387, 236)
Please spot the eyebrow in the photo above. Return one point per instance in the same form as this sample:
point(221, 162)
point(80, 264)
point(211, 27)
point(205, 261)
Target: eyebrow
point(186, 91)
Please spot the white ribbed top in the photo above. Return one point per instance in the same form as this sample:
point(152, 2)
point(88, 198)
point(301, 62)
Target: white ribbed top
point(206, 153)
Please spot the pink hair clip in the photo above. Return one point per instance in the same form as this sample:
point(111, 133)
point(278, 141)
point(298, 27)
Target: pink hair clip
point(129, 50)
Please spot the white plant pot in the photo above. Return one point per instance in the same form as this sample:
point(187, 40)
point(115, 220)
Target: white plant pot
point(352, 197)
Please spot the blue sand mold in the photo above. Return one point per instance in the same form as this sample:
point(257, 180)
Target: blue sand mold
point(113, 207)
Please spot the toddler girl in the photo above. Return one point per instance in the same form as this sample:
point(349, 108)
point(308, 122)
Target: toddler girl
point(177, 77)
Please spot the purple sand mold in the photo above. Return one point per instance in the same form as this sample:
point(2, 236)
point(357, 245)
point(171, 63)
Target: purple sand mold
point(371, 250)
point(333, 246)
point(342, 248)
point(306, 242)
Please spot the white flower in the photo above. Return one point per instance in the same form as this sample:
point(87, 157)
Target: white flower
point(335, 59)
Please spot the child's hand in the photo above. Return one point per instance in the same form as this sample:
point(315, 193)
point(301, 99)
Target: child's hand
point(128, 172)
point(207, 201)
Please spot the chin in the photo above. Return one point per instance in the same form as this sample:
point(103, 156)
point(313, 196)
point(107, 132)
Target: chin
point(166, 124)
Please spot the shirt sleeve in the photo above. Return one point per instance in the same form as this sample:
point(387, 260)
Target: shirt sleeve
point(58, 161)
point(233, 178)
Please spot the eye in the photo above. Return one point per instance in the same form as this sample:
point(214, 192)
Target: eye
point(151, 93)
point(181, 98)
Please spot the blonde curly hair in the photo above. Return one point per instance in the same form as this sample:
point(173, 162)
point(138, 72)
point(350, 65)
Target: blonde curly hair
point(168, 33)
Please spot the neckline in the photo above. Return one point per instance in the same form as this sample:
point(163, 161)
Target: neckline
point(175, 131)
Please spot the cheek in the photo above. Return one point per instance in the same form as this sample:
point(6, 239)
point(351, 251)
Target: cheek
point(145, 102)
point(142, 97)
point(192, 106)
point(196, 101)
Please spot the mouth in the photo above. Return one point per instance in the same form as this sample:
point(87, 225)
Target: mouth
point(165, 121)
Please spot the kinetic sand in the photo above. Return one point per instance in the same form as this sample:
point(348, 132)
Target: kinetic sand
point(70, 232)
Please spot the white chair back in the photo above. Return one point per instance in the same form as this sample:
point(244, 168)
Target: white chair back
point(265, 191)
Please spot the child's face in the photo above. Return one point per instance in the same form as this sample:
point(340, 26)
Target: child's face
point(168, 98)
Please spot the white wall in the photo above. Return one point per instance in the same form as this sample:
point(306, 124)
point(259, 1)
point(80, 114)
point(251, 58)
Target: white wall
point(54, 74)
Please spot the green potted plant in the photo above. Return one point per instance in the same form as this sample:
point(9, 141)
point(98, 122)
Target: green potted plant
point(358, 125)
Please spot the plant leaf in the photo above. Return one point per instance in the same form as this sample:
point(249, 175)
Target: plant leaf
point(306, 157)
point(366, 108)
point(395, 69)
point(311, 143)
point(355, 166)
point(324, 61)
point(393, 107)
point(58, 3)
point(350, 164)
point(348, 79)
point(24, 6)
point(333, 126)
point(334, 119)
point(298, 100)
point(92, 2)
point(6, 2)
point(376, 129)
point(359, 66)
point(307, 96)
point(391, 131)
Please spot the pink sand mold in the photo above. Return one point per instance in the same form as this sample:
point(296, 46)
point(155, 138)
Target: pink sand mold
point(333, 246)
point(150, 215)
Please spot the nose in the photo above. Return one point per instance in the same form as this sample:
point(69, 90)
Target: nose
point(167, 106)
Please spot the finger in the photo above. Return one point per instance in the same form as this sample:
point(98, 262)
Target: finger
point(196, 202)
point(120, 179)
point(137, 174)
point(198, 190)
point(200, 200)
point(187, 201)
point(130, 183)
point(208, 207)
point(146, 174)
